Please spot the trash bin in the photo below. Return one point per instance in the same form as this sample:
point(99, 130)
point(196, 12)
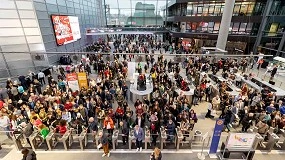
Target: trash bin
point(197, 135)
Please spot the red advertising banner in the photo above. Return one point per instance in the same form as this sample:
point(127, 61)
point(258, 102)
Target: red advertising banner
point(71, 77)
point(72, 81)
point(62, 29)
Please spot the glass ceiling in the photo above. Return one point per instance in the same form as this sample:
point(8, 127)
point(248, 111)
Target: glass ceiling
point(137, 13)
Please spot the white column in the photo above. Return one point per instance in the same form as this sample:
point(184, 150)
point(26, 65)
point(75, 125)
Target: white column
point(225, 24)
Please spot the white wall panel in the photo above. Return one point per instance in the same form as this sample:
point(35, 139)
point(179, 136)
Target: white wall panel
point(32, 31)
point(24, 5)
point(34, 39)
point(7, 4)
point(27, 14)
point(12, 40)
point(8, 13)
point(36, 47)
point(11, 32)
point(29, 23)
point(15, 48)
point(10, 23)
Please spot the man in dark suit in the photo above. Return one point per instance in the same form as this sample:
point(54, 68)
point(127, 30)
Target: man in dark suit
point(274, 71)
point(140, 121)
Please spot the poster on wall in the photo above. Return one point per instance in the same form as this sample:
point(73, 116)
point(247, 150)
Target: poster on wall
point(72, 81)
point(66, 29)
point(240, 140)
point(82, 80)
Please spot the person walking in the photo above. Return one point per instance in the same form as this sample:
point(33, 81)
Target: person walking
point(139, 135)
point(104, 143)
point(41, 77)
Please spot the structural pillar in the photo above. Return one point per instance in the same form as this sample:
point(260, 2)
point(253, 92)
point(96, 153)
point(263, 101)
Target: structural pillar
point(281, 44)
point(225, 24)
point(262, 26)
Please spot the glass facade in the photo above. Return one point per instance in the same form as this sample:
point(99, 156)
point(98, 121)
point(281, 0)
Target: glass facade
point(215, 8)
point(214, 27)
point(242, 9)
point(141, 13)
point(274, 29)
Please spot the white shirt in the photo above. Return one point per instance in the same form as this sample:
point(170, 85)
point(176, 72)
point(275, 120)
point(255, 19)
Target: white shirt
point(210, 106)
point(4, 122)
point(139, 121)
point(41, 75)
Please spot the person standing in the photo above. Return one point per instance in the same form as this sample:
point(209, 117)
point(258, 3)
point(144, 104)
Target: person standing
point(104, 144)
point(210, 108)
point(274, 71)
point(41, 77)
point(29, 154)
point(125, 131)
point(139, 135)
point(156, 154)
point(109, 125)
point(5, 125)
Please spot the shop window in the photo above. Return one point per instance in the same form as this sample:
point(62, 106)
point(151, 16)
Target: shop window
point(217, 26)
point(217, 10)
point(242, 27)
point(211, 10)
point(235, 27)
point(236, 9)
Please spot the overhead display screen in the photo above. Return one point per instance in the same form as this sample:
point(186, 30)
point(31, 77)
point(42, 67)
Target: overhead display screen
point(66, 29)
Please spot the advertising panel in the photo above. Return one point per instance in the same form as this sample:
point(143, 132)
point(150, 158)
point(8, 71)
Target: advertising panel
point(216, 136)
point(66, 29)
point(240, 140)
point(72, 81)
point(82, 80)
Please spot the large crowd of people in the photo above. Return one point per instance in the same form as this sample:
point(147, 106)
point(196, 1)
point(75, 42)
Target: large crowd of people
point(30, 104)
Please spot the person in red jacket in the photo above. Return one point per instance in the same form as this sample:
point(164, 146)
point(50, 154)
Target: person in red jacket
point(68, 105)
point(119, 114)
point(61, 128)
point(139, 110)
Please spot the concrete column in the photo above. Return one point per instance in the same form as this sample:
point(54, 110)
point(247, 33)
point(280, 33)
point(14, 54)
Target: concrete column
point(225, 24)
point(281, 44)
point(262, 25)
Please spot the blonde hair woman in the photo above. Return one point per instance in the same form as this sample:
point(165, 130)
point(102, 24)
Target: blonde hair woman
point(156, 154)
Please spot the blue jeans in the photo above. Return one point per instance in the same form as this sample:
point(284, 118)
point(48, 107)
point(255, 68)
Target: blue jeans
point(7, 129)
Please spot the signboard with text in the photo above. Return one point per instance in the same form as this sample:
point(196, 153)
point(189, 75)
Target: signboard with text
point(216, 136)
point(82, 80)
point(72, 81)
point(240, 140)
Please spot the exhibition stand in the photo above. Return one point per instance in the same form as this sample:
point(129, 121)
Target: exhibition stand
point(238, 146)
point(135, 93)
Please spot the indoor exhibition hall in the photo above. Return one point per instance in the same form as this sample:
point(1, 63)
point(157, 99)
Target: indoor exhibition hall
point(142, 79)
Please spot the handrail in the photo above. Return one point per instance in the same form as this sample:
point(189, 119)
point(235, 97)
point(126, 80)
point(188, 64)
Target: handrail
point(109, 53)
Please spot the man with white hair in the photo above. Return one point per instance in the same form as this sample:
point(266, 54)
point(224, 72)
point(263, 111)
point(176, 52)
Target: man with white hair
point(27, 130)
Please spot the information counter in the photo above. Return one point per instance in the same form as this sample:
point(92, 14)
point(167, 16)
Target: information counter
point(231, 88)
point(135, 93)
